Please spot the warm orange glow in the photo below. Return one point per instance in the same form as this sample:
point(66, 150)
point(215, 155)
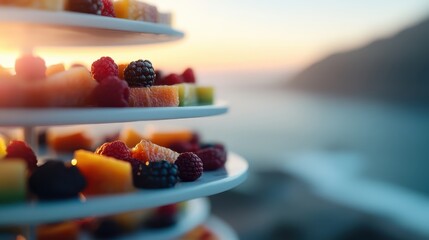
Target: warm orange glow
point(74, 162)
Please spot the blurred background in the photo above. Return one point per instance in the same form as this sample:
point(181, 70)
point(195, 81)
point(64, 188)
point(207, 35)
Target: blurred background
point(328, 103)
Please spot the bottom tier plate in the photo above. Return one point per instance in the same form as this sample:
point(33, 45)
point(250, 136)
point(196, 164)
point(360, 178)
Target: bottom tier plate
point(213, 182)
point(196, 213)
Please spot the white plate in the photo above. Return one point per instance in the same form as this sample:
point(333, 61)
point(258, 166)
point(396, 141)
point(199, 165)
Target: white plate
point(67, 116)
point(46, 28)
point(196, 212)
point(234, 173)
point(221, 229)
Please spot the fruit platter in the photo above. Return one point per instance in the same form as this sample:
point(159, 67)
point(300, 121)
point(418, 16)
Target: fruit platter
point(120, 183)
point(79, 23)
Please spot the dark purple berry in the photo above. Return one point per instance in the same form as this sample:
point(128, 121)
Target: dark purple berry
point(85, 6)
point(162, 174)
point(190, 166)
point(55, 180)
point(140, 73)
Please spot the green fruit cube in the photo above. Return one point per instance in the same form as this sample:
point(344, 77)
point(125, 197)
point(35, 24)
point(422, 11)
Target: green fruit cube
point(205, 95)
point(187, 94)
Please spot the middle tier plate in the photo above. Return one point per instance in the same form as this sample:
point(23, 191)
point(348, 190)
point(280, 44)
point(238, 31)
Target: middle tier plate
point(212, 182)
point(29, 117)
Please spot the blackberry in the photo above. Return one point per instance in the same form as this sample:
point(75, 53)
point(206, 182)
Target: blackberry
point(160, 174)
point(190, 166)
point(54, 180)
point(140, 73)
point(85, 6)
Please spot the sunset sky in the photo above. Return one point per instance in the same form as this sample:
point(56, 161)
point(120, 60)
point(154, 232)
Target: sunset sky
point(267, 35)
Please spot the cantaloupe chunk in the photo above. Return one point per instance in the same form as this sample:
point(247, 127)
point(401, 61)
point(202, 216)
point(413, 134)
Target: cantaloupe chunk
point(64, 231)
point(13, 180)
point(156, 96)
point(104, 175)
point(130, 137)
point(54, 69)
point(71, 88)
point(2, 148)
point(69, 142)
point(54, 5)
point(165, 139)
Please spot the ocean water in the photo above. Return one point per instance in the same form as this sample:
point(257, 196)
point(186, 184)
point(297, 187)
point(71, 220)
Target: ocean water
point(267, 122)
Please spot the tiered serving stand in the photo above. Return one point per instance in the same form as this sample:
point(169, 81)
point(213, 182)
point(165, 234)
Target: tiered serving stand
point(46, 28)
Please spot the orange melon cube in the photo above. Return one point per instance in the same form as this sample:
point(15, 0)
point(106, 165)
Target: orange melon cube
point(64, 231)
point(156, 96)
point(53, 69)
point(69, 142)
point(165, 139)
point(71, 88)
point(104, 175)
point(130, 137)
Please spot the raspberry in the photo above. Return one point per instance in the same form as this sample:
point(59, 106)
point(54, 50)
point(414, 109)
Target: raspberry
point(140, 73)
point(158, 78)
point(19, 149)
point(116, 149)
point(190, 166)
point(108, 9)
point(214, 145)
point(103, 68)
point(188, 76)
point(213, 158)
point(30, 67)
point(164, 216)
point(54, 180)
point(183, 146)
point(111, 92)
point(160, 174)
point(85, 6)
point(172, 79)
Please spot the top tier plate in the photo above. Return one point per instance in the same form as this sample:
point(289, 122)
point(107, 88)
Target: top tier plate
point(66, 116)
point(46, 28)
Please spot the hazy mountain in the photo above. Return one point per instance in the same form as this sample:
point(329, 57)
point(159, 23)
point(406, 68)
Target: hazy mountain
point(393, 69)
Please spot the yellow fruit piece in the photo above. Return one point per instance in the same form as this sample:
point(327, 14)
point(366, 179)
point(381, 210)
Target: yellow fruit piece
point(131, 221)
point(156, 96)
point(121, 8)
point(121, 69)
point(205, 95)
point(165, 139)
point(130, 137)
point(2, 148)
point(63, 231)
point(104, 175)
point(54, 69)
point(187, 94)
point(146, 151)
point(13, 180)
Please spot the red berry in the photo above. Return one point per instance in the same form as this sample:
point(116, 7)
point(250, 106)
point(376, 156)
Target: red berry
point(103, 68)
point(19, 149)
point(188, 76)
point(172, 79)
point(116, 149)
point(108, 9)
point(167, 210)
point(190, 166)
point(213, 158)
point(85, 6)
point(30, 67)
point(111, 92)
point(184, 146)
point(158, 78)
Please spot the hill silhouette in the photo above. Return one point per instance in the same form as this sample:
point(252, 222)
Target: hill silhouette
point(391, 69)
